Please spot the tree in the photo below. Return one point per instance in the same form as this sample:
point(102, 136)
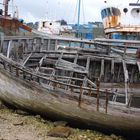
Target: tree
point(63, 22)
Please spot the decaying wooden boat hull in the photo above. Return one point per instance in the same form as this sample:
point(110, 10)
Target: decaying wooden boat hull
point(60, 83)
point(30, 96)
point(56, 103)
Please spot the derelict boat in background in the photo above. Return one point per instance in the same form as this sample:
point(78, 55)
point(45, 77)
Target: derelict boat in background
point(122, 23)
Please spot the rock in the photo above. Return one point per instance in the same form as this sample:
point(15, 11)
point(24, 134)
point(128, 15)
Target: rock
point(60, 123)
point(83, 137)
point(21, 112)
point(98, 138)
point(42, 120)
point(108, 138)
point(60, 131)
point(88, 131)
point(80, 136)
point(1, 103)
point(38, 116)
point(114, 137)
point(18, 123)
point(2, 106)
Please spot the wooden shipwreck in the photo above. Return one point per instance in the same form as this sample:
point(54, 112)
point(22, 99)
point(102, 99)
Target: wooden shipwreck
point(81, 81)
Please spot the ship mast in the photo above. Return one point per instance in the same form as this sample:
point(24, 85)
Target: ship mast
point(5, 3)
point(78, 20)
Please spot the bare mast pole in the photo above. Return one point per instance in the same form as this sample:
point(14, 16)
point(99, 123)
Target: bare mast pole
point(5, 2)
point(78, 21)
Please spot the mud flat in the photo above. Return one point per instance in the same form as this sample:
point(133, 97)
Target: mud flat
point(18, 125)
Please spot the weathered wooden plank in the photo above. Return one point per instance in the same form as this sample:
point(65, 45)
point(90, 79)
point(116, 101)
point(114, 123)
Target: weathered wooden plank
point(107, 73)
point(54, 70)
point(34, 40)
point(88, 64)
point(48, 45)
point(60, 77)
point(102, 69)
point(91, 83)
point(49, 61)
point(46, 68)
point(25, 61)
point(112, 71)
point(71, 73)
point(42, 40)
point(126, 77)
point(56, 43)
point(132, 75)
point(60, 57)
point(76, 58)
point(9, 48)
point(1, 42)
point(85, 81)
point(119, 72)
point(42, 44)
point(119, 41)
point(138, 64)
point(41, 61)
point(112, 66)
point(69, 66)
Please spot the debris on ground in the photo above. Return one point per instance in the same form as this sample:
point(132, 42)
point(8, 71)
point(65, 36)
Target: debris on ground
point(14, 126)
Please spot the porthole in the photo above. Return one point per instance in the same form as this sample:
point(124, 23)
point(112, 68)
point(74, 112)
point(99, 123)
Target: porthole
point(125, 10)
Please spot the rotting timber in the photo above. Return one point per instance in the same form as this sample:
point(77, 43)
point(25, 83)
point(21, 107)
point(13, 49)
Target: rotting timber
point(87, 84)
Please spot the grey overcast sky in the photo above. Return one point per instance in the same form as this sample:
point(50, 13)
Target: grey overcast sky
point(33, 10)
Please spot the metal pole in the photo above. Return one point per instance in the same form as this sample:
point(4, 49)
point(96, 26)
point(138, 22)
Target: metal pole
point(97, 93)
point(6, 7)
point(106, 104)
point(80, 96)
point(78, 22)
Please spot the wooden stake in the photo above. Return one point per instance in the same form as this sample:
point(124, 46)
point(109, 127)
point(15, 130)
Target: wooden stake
point(17, 72)
point(80, 96)
point(98, 84)
point(106, 104)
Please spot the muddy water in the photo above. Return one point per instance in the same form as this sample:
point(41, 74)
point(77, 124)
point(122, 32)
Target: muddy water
point(17, 126)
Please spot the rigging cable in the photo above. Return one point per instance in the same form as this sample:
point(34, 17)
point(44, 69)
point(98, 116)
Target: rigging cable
point(75, 12)
point(46, 15)
point(67, 10)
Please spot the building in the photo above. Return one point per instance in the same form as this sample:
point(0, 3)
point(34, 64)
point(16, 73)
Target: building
point(89, 31)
